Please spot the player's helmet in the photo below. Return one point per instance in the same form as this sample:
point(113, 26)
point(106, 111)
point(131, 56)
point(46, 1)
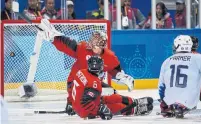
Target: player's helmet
point(98, 39)
point(195, 43)
point(182, 43)
point(95, 65)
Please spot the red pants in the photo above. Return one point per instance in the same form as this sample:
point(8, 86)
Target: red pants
point(114, 102)
point(117, 102)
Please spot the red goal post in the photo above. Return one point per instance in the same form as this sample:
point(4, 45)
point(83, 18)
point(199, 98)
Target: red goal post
point(24, 57)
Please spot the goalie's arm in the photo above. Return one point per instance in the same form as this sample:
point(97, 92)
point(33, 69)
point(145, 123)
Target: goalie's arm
point(114, 71)
point(65, 45)
point(118, 74)
point(61, 42)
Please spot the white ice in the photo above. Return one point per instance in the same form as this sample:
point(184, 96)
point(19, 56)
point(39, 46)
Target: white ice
point(22, 113)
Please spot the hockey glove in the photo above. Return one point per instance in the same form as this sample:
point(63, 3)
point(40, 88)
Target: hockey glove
point(88, 98)
point(166, 111)
point(104, 112)
point(123, 78)
point(69, 109)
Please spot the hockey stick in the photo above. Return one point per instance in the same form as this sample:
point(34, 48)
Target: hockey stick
point(15, 9)
point(50, 112)
point(63, 112)
point(191, 112)
point(24, 17)
point(159, 113)
point(33, 58)
point(194, 110)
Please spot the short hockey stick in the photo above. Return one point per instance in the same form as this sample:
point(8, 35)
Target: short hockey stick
point(63, 112)
point(50, 112)
point(191, 111)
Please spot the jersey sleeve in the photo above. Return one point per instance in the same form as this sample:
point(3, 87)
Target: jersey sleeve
point(66, 45)
point(113, 64)
point(161, 84)
point(81, 48)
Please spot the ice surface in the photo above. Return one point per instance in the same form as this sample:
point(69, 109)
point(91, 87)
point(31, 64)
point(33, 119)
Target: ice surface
point(22, 113)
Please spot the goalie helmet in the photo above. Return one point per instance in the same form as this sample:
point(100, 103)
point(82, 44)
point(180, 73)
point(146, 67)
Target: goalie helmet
point(98, 39)
point(195, 43)
point(95, 65)
point(182, 43)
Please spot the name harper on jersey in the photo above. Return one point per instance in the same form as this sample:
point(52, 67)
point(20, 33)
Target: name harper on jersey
point(82, 78)
point(181, 58)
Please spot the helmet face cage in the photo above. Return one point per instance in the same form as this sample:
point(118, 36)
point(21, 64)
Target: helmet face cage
point(98, 39)
point(95, 65)
point(195, 43)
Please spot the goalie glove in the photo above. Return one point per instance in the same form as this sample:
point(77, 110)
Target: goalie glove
point(123, 78)
point(49, 32)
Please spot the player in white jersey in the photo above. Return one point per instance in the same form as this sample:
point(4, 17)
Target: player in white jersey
point(180, 79)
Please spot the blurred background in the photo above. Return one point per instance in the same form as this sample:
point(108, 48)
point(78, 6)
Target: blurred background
point(174, 13)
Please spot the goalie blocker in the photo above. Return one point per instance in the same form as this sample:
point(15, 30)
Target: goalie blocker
point(27, 90)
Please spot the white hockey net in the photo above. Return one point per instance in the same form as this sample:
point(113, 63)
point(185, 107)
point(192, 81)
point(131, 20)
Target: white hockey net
point(26, 58)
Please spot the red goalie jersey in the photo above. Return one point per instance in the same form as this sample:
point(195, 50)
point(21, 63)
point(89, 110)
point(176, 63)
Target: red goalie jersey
point(82, 52)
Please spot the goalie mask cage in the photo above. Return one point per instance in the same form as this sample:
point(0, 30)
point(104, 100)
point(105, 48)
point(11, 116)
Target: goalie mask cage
point(25, 57)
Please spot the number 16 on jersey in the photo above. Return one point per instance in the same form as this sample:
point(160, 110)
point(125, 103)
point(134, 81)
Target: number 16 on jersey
point(178, 76)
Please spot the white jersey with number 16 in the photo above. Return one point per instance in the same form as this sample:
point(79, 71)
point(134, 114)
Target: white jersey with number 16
point(181, 77)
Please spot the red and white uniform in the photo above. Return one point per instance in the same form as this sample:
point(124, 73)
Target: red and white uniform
point(82, 80)
point(80, 52)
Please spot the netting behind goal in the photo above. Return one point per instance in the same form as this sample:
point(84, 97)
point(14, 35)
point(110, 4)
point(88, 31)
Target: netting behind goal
point(29, 59)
